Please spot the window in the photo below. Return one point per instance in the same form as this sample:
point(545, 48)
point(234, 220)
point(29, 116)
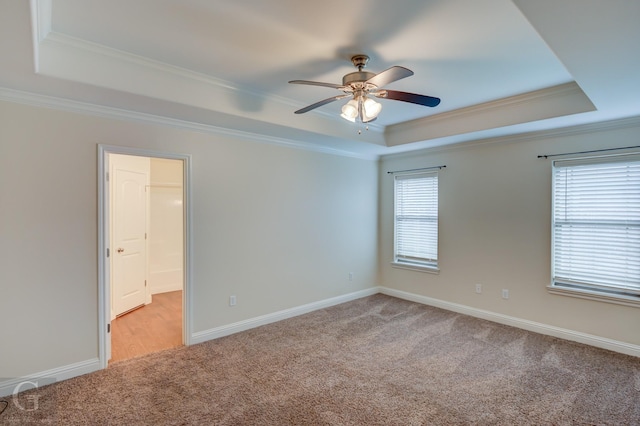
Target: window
point(416, 221)
point(596, 228)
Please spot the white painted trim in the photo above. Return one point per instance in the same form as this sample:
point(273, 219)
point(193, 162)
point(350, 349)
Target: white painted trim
point(420, 268)
point(552, 92)
point(575, 130)
point(162, 282)
point(104, 301)
point(225, 330)
point(551, 102)
point(41, 13)
point(125, 59)
point(187, 291)
point(84, 108)
point(85, 47)
point(41, 19)
point(58, 374)
point(66, 372)
point(618, 299)
point(69, 58)
point(536, 327)
point(103, 282)
point(166, 288)
point(51, 44)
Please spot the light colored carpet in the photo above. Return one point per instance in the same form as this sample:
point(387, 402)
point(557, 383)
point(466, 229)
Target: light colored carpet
point(373, 361)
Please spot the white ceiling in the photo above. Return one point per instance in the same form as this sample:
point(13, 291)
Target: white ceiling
point(500, 67)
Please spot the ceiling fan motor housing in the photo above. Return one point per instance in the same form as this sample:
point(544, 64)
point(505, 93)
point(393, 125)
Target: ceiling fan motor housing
point(359, 61)
point(357, 77)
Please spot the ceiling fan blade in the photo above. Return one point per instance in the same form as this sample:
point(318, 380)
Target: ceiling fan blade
point(322, 102)
point(317, 83)
point(413, 98)
point(389, 76)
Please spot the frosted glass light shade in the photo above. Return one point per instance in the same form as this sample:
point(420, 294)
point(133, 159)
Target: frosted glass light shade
point(350, 110)
point(371, 110)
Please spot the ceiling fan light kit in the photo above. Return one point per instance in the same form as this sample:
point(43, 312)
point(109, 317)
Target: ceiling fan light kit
point(365, 111)
point(361, 86)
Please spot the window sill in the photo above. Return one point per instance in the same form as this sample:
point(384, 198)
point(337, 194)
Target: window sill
point(419, 268)
point(595, 295)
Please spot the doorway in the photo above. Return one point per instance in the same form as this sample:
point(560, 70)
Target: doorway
point(144, 303)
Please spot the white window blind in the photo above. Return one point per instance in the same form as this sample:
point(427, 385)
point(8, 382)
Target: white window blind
point(596, 224)
point(416, 219)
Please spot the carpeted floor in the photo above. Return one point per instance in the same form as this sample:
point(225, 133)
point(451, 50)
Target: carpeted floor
point(373, 361)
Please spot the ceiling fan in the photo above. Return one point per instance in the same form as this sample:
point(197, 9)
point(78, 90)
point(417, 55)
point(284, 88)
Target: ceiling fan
point(362, 86)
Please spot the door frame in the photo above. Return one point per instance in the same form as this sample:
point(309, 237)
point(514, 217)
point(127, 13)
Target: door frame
point(104, 278)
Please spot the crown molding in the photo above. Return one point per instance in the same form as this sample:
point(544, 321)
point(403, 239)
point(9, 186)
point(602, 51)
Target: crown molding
point(120, 56)
point(63, 56)
point(88, 47)
point(575, 130)
point(70, 58)
point(84, 108)
point(41, 19)
point(551, 102)
point(553, 92)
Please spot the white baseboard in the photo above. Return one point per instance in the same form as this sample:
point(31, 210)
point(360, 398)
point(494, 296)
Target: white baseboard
point(225, 330)
point(166, 288)
point(166, 280)
point(536, 327)
point(8, 387)
point(11, 386)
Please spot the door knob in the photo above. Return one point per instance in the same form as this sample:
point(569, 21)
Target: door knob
point(120, 250)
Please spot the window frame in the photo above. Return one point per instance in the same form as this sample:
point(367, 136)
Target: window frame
point(582, 289)
point(417, 264)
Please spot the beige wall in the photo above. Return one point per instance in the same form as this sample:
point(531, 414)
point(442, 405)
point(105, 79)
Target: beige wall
point(166, 225)
point(278, 227)
point(495, 230)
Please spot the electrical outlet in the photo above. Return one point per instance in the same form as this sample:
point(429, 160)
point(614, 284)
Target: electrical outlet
point(350, 276)
point(232, 300)
point(505, 293)
point(478, 288)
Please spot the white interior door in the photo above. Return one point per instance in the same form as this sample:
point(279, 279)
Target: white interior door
point(129, 214)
